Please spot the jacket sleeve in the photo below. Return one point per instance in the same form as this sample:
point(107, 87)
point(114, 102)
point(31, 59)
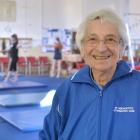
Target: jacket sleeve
point(52, 122)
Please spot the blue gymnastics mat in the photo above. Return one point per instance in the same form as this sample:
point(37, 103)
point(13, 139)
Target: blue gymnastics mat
point(12, 100)
point(26, 120)
point(21, 84)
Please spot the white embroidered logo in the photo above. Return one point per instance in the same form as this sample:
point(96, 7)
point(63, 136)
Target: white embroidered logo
point(124, 109)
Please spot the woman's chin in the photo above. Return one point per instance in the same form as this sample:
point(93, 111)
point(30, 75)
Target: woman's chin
point(102, 68)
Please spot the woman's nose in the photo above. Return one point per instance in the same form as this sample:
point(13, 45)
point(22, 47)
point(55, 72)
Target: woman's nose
point(101, 46)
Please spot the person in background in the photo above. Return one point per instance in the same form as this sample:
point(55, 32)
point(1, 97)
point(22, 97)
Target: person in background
point(102, 100)
point(56, 63)
point(3, 46)
point(74, 48)
point(13, 58)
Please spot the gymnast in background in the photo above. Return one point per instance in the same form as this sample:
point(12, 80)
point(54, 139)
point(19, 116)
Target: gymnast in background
point(3, 46)
point(56, 64)
point(13, 59)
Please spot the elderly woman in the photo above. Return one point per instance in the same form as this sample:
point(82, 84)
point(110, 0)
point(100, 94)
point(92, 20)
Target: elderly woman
point(102, 100)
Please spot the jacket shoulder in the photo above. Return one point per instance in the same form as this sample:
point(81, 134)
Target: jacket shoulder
point(136, 74)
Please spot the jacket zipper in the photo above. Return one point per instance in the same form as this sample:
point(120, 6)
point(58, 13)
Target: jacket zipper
point(98, 88)
point(100, 113)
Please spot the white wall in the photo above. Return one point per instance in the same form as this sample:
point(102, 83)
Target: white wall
point(93, 5)
point(61, 13)
point(120, 6)
point(28, 20)
point(134, 20)
point(135, 6)
point(69, 13)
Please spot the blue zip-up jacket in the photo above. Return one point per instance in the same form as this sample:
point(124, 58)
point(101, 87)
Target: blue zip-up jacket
point(81, 110)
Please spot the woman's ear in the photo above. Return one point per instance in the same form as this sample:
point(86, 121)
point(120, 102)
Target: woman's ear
point(82, 51)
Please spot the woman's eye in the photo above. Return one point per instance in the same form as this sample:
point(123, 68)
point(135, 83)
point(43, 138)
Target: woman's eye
point(92, 39)
point(110, 39)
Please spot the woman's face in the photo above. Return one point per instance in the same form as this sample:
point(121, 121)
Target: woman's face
point(13, 40)
point(101, 46)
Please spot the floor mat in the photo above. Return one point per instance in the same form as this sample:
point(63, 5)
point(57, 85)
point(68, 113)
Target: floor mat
point(26, 120)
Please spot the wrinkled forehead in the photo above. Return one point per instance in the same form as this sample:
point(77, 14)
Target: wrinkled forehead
point(101, 27)
point(102, 19)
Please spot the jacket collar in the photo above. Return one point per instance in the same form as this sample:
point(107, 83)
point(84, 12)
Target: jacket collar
point(84, 76)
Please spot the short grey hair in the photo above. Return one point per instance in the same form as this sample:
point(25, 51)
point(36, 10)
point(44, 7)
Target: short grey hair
point(108, 15)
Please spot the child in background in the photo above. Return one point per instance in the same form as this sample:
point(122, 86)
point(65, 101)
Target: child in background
point(13, 59)
point(56, 64)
